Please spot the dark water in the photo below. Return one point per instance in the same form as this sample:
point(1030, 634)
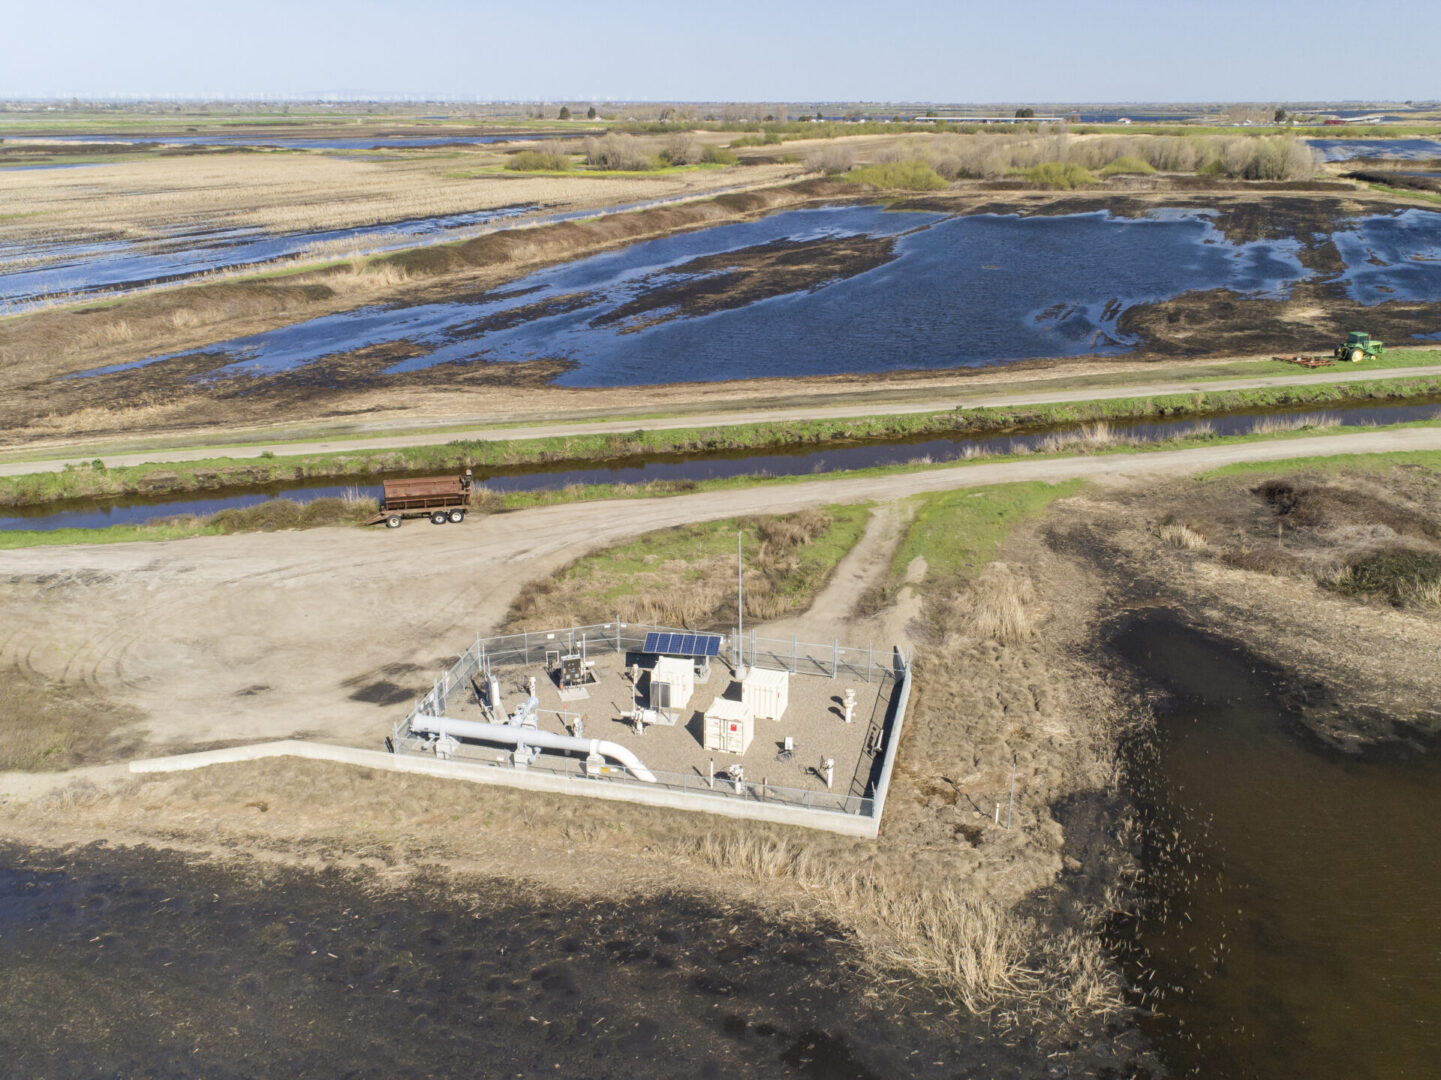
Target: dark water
point(1349, 149)
point(1392, 257)
point(135, 964)
point(963, 291)
point(1293, 918)
point(99, 514)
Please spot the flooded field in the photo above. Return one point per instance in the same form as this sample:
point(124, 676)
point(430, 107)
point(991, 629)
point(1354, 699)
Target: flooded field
point(152, 965)
point(711, 304)
point(33, 270)
point(103, 513)
point(1292, 894)
point(1350, 149)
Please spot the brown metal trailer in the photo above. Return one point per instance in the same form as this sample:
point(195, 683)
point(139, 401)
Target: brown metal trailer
point(440, 498)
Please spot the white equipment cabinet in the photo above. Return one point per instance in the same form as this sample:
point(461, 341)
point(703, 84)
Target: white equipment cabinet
point(672, 682)
point(766, 692)
point(729, 726)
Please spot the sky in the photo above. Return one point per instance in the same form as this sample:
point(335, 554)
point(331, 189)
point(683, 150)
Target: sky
point(733, 50)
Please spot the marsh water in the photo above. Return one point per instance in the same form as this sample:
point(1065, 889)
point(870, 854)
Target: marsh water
point(31, 270)
point(1350, 149)
point(140, 963)
point(791, 461)
point(1292, 917)
point(955, 291)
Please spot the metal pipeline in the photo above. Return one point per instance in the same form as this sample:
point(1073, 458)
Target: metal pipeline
point(515, 736)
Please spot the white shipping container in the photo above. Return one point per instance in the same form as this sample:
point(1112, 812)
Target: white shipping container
point(678, 677)
point(766, 692)
point(729, 726)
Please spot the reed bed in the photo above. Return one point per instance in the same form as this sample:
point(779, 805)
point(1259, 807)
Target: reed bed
point(959, 156)
point(980, 954)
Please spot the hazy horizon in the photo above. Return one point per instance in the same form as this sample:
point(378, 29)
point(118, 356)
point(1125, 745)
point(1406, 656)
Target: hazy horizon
point(1116, 51)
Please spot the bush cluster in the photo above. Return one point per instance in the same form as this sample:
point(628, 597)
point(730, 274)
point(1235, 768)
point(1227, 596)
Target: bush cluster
point(539, 161)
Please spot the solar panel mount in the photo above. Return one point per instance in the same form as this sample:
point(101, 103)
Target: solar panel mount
point(671, 644)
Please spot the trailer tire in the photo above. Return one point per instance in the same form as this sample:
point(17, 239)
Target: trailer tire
point(393, 521)
point(438, 518)
point(457, 516)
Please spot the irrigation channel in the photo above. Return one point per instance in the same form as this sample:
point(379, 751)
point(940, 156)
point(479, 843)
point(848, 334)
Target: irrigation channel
point(963, 290)
point(1291, 915)
point(790, 461)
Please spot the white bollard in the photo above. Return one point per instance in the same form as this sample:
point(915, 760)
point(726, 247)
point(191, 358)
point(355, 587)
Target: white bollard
point(850, 705)
point(830, 767)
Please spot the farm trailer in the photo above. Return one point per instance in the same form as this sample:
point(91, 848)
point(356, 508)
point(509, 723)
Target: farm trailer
point(440, 498)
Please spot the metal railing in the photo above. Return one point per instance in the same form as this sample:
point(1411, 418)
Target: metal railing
point(573, 768)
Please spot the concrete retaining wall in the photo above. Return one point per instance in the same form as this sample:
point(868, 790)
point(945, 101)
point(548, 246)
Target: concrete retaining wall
point(506, 776)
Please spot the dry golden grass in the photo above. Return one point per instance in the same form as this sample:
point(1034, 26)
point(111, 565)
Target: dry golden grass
point(1181, 535)
point(47, 725)
point(1272, 425)
point(687, 576)
point(298, 192)
point(982, 955)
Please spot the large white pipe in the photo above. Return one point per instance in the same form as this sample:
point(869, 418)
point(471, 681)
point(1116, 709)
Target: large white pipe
point(506, 733)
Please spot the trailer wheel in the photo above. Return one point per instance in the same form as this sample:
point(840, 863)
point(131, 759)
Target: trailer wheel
point(438, 518)
point(393, 522)
point(457, 516)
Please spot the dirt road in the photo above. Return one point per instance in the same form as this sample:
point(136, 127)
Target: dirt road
point(330, 633)
point(944, 398)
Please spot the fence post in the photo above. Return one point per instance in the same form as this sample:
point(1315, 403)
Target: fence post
point(527, 646)
point(793, 655)
point(835, 657)
point(870, 660)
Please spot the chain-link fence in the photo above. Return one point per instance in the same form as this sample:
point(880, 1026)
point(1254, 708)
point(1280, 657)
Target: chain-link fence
point(866, 794)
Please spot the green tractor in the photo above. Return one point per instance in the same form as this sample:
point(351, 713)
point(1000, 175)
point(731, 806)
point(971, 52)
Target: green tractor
point(1359, 346)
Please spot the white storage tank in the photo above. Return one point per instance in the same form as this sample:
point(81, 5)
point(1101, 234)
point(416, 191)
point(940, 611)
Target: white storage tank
point(729, 726)
point(672, 682)
point(766, 692)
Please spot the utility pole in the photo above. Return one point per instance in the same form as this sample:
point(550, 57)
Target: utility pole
point(1010, 805)
point(740, 610)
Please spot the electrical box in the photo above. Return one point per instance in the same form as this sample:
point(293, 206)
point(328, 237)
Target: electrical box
point(729, 726)
point(572, 670)
point(766, 692)
point(672, 682)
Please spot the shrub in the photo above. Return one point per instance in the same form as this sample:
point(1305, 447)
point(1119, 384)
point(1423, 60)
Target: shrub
point(831, 159)
point(623, 153)
point(678, 148)
point(904, 175)
point(718, 155)
point(1127, 164)
point(1054, 174)
point(564, 113)
point(538, 161)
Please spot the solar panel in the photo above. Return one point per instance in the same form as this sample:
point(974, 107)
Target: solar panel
point(682, 644)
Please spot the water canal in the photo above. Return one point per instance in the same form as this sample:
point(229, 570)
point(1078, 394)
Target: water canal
point(786, 461)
